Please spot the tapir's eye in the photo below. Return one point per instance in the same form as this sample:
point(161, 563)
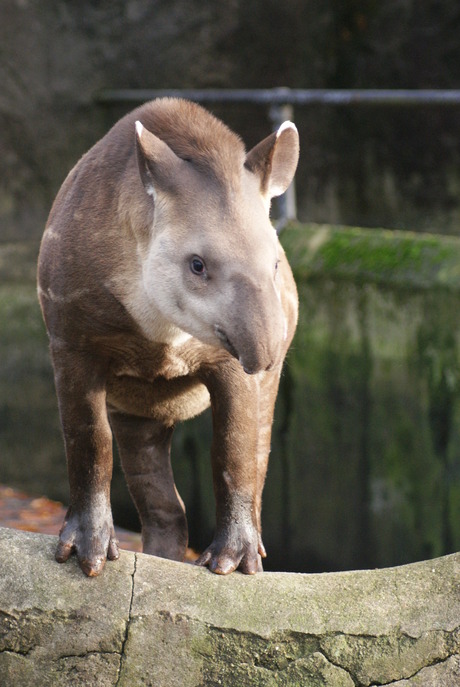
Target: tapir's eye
point(197, 266)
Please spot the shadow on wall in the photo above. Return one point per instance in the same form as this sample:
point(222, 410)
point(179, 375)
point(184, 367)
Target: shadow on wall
point(365, 463)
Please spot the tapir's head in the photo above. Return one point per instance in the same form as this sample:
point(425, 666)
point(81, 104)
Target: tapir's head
point(211, 264)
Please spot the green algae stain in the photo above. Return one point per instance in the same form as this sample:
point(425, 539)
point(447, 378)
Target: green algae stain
point(233, 657)
point(375, 369)
point(409, 260)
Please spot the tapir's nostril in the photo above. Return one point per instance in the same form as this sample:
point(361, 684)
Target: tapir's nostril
point(223, 338)
point(254, 370)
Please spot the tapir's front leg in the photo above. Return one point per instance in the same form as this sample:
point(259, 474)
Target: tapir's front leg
point(88, 527)
point(234, 401)
point(268, 390)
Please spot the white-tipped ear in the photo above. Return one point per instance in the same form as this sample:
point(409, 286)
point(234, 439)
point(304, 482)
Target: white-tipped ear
point(275, 159)
point(142, 162)
point(285, 125)
point(158, 164)
point(285, 158)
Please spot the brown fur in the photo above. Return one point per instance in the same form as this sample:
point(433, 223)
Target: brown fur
point(141, 341)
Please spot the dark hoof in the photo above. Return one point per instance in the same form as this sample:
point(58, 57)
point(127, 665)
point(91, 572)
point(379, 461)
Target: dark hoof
point(223, 563)
point(93, 545)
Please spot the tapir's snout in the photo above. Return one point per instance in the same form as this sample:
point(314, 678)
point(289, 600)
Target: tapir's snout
point(260, 360)
point(252, 356)
point(260, 356)
point(256, 332)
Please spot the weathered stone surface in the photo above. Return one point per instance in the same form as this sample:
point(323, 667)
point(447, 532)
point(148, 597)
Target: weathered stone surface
point(148, 621)
point(57, 627)
point(442, 674)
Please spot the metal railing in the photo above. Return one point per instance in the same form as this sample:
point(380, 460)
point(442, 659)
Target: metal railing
point(281, 102)
point(291, 96)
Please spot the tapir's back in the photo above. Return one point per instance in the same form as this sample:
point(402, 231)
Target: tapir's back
point(191, 132)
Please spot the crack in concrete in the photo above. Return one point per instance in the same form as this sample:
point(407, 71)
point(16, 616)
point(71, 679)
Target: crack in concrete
point(279, 652)
point(341, 667)
point(18, 652)
point(128, 625)
point(20, 629)
point(410, 677)
point(450, 643)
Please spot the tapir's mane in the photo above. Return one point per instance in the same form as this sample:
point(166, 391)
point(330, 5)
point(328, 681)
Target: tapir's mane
point(195, 134)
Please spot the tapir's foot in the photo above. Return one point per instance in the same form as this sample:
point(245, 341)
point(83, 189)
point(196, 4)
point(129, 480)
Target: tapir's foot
point(232, 551)
point(91, 538)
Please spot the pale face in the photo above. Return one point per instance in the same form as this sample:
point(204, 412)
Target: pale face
point(209, 268)
point(213, 274)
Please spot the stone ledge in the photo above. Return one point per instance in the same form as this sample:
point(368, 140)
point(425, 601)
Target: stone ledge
point(402, 259)
point(148, 621)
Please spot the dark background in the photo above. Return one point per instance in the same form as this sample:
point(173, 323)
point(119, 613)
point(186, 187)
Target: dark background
point(370, 166)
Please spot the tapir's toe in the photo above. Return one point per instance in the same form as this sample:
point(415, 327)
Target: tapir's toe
point(92, 567)
point(261, 549)
point(223, 561)
point(92, 547)
point(251, 565)
point(63, 551)
point(113, 553)
point(222, 566)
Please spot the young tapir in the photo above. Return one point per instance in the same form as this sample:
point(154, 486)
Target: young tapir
point(164, 289)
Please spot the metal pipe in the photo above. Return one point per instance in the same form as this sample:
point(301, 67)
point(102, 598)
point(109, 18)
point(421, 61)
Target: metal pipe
point(292, 96)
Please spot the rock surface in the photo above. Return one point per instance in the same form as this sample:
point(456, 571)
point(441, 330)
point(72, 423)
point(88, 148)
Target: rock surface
point(148, 621)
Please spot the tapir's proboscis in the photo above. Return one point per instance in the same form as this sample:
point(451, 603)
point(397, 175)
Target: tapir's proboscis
point(164, 290)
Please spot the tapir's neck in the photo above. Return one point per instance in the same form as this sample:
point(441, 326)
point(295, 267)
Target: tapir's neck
point(153, 324)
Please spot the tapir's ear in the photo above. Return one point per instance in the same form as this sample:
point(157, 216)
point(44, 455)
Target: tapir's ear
point(275, 159)
point(158, 164)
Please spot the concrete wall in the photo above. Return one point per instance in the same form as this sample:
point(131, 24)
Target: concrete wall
point(148, 621)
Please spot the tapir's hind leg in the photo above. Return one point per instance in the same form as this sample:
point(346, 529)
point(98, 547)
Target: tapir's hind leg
point(144, 447)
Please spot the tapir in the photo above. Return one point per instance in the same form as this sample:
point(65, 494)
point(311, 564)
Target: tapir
point(164, 290)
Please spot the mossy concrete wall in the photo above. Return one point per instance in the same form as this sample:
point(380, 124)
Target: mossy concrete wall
point(148, 621)
point(365, 464)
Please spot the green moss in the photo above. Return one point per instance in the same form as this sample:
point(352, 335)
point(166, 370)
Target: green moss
point(242, 658)
point(373, 255)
